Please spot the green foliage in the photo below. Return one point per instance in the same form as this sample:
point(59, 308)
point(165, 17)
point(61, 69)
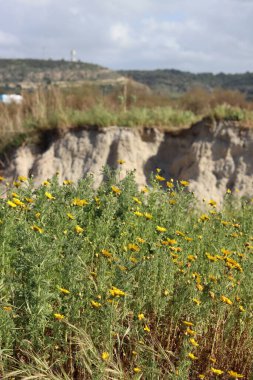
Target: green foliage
point(102, 283)
point(178, 82)
point(229, 113)
point(32, 70)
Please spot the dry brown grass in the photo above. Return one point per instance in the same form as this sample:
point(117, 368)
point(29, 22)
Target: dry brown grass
point(54, 107)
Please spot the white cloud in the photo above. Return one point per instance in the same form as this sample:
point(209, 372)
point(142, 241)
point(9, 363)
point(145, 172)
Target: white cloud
point(120, 34)
point(34, 3)
point(7, 39)
point(196, 35)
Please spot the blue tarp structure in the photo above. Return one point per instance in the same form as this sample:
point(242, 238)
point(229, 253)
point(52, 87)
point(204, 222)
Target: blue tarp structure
point(10, 98)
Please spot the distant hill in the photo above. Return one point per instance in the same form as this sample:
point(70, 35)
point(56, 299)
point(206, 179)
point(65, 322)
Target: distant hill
point(28, 73)
point(178, 82)
point(32, 71)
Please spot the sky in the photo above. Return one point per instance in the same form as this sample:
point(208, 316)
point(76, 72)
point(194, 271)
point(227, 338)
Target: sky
point(190, 35)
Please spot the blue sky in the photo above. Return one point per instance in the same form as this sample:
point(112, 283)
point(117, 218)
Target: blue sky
point(192, 35)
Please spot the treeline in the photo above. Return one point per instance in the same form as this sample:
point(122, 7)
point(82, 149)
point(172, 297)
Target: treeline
point(178, 82)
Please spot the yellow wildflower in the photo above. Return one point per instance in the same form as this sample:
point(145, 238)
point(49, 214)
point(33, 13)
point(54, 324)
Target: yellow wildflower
point(170, 184)
point(190, 332)
point(97, 200)
point(63, 290)
point(17, 184)
point(95, 304)
point(226, 300)
point(37, 229)
point(187, 323)
point(133, 247)
point(200, 287)
point(2, 179)
point(79, 202)
point(159, 178)
point(7, 308)
point(67, 182)
point(46, 183)
point(211, 258)
point(115, 292)
point(226, 252)
point(70, 216)
point(241, 308)
point(197, 301)
point(105, 356)
point(49, 195)
point(161, 229)
point(141, 316)
point(233, 264)
point(22, 178)
point(193, 342)
point(116, 190)
point(59, 316)
point(136, 200)
point(225, 223)
point(191, 257)
point(192, 356)
point(106, 253)
point(235, 375)
point(184, 183)
point(201, 376)
point(136, 370)
point(212, 203)
point(11, 204)
point(146, 328)
point(140, 240)
point(138, 213)
point(79, 229)
point(144, 190)
point(217, 371)
point(121, 162)
point(18, 202)
point(176, 249)
point(148, 215)
point(171, 241)
point(204, 217)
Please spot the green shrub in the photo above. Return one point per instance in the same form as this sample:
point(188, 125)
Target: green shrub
point(122, 283)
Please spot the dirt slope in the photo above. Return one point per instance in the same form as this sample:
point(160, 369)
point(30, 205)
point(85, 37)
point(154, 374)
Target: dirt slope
point(212, 156)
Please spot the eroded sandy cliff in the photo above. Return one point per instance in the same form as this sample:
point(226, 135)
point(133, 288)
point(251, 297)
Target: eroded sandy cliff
point(212, 156)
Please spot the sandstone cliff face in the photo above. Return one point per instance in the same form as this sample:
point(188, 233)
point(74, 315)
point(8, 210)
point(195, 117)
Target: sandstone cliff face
point(212, 156)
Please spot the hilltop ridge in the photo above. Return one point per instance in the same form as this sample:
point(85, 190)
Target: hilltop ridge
point(31, 72)
point(50, 71)
point(177, 82)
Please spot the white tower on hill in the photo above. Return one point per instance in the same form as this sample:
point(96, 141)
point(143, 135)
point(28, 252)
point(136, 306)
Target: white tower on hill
point(73, 55)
